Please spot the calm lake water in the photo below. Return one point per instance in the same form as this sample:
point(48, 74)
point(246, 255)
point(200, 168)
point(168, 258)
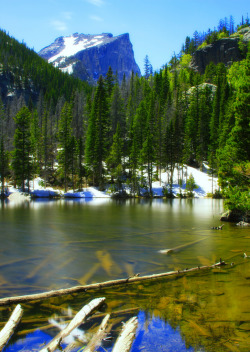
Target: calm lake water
point(57, 244)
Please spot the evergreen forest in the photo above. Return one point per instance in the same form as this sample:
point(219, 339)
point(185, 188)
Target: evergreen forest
point(72, 134)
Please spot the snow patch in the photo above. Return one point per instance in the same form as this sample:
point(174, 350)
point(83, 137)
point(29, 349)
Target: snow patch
point(18, 197)
point(73, 45)
point(68, 69)
point(90, 192)
point(206, 184)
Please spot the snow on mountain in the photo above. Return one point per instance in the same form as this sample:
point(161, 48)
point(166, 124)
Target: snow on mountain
point(75, 43)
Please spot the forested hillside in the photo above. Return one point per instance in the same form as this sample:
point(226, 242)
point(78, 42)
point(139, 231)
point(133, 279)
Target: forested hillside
point(125, 133)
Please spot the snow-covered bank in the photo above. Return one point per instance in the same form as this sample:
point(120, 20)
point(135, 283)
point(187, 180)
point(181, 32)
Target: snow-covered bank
point(89, 192)
point(205, 183)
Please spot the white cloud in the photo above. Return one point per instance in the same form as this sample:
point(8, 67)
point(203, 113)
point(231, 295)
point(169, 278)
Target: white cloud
point(96, 2)
point(59, 25)
point(96, 18)
point(67, 15)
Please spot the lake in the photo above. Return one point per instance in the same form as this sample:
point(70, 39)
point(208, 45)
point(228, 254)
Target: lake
point(55, 244)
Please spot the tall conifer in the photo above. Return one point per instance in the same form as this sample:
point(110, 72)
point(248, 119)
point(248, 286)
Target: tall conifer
point(22, 160)
point(97, 141)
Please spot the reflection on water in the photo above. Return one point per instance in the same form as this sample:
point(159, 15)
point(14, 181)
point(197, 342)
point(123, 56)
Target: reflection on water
point(56, 244)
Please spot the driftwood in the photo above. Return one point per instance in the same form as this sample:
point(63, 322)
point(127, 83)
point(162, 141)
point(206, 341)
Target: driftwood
point(99, 336)
point(171, 250)
point(75, 322)
point(10, 326)
point(75, 289)
point(217, 227)
point(125, 339)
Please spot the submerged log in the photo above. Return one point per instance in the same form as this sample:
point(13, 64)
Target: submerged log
point(217, 227)
point(171, 250)
point(75, 322)
point(99, 336)
point(97, 286)
point(126, 338)
point(7, 331)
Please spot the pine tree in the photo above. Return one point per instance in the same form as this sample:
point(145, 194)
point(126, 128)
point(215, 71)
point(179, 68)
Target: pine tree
point(4, 155)
point(215, 123)
point(80, 157)
point(147, 156)
point(114, 160)
point(97, 141)
point(117, 113)
point(22, 160)
point(170, 152)
point(36, 143)
point(65, 144)
point(109, 82)
point(3, 152)
point(205, 111)
point(147, 67)
point(190, 139)
point(4, 164)
point(234, 157)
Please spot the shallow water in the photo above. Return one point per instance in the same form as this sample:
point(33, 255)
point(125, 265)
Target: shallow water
point(56, 244)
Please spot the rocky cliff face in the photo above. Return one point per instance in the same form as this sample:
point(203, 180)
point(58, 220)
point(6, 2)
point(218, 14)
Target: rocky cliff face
point(225, 50)
point(89, 56)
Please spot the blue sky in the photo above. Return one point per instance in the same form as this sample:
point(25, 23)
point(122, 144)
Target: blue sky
point(157, 28)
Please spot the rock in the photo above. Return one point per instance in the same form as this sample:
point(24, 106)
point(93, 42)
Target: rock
point(224, 50)
point(202, 87)
point(242, 223)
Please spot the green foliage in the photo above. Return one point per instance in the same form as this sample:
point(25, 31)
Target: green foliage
point(238, 201)
point(21, 156)
point(202, 45)
point(66, 145)
point(97, 141)
point(190, 186)
point(185, 60)
point(222, 35)
point(4, 164)
point(235, 154)
point(4, 155)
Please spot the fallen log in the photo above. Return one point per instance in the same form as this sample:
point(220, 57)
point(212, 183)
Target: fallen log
point(97, 286)
point(125, 339)
point(171, 250)
point(49, 326)
point(8, 330)
point(99, 336)
point(75, 322)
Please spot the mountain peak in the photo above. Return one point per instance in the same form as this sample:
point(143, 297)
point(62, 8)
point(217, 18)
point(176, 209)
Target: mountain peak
point(96, 52)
